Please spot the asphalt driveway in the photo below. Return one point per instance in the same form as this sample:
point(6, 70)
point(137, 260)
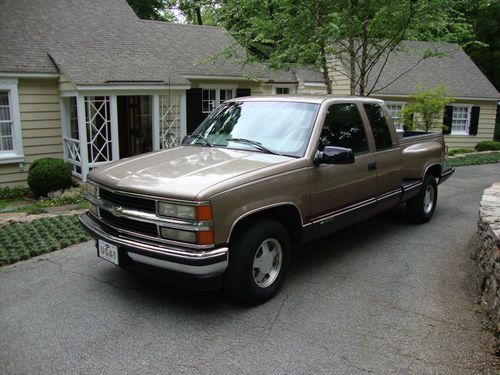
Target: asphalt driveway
point(384, 296)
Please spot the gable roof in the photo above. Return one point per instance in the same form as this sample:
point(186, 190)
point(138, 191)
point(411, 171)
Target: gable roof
point(98, 42)
point(454, 68)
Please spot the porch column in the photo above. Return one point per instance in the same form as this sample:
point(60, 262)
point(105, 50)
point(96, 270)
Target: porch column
point(183, 115)
point(82, 132)
point(156, 122)
point(115, 147)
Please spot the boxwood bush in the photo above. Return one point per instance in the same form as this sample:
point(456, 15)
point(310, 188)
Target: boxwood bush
point(48, 174)
point(488, 146)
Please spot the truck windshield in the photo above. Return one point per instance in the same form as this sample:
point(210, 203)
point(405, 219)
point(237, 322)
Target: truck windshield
point(272, 127)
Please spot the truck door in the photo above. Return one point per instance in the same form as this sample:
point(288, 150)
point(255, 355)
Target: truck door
point(387, 157)
point(343, 193)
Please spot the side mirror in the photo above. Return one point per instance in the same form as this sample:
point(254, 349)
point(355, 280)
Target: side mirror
point(334, 155)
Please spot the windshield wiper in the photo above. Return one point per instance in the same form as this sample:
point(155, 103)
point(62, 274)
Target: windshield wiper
point(199, 136)
point(255, 144)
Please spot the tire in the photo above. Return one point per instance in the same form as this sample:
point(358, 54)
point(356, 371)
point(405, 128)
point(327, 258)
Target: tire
point(259, 257)
point(420, 208)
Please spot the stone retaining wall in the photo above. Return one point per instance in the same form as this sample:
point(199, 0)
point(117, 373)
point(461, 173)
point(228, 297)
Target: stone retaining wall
point(488, 254)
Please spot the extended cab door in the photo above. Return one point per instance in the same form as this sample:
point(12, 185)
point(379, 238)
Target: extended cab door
point(387, 157)
point(343, 193)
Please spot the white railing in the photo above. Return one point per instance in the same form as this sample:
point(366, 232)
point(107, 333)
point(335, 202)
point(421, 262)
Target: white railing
point(72, 155)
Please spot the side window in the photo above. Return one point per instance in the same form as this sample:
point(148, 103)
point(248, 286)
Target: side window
point(379, 125)
point(343, 127)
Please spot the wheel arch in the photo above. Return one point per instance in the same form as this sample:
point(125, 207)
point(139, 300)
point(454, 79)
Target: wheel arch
point(433, 170)
point(288, 214)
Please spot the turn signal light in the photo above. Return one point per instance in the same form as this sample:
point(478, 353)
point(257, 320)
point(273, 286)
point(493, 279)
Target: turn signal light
point(204, 213)
point(205, 237)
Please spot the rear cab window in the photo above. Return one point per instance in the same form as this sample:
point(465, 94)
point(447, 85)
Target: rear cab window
point(379, 126)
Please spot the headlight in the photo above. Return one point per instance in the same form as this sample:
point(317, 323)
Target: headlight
point(92, 189)
point(177, 210)
point(178, 235)
point(202, 212)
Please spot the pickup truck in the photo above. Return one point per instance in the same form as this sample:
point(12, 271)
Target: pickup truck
point(259, 176)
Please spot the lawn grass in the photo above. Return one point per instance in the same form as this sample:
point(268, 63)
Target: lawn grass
point(20, 241)
point(474, 159)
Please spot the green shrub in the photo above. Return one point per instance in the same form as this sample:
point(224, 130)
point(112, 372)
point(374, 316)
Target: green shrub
point(460, 151)
point(13, 192)
point(48, 174)
point(488, 146)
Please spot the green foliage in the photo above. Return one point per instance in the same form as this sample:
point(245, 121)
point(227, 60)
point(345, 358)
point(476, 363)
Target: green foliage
point(74, 195)
point(20, 241)
point(476, 159)
point(13, 192)
point(488, 146)
point(426, 109)
point(156, 10)
point(456, 151)
point(48, 174)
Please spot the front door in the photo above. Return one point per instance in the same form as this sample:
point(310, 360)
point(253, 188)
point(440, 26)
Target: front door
point(343, 194)
point(135, 127)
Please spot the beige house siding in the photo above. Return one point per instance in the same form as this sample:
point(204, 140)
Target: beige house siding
point(40, 125)
point(340, 82)
point(486, 126)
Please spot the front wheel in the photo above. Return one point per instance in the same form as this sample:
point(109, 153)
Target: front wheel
point(420, 208)
point(258, 261)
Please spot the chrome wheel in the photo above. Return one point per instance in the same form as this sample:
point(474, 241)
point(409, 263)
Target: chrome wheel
point(267, 262)
point(429, 199)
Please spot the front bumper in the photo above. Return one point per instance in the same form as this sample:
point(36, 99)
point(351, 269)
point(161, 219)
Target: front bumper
point(203, 263)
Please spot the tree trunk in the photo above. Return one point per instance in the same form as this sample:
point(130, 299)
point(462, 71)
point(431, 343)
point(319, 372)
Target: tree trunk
point(364, 57)
point(198, 15)
point(352, 66)
point(326, 71)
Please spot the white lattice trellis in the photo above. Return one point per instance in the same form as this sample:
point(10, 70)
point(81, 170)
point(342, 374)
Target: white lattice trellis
point(72, 154)
point(98, 125)
point(170, 127)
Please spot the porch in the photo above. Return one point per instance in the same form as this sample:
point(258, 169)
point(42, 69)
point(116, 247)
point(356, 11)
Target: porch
point(99, 128)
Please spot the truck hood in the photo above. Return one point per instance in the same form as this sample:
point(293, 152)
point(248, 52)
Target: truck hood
point(182, 172)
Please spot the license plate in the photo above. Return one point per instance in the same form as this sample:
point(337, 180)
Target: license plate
point(108, 251)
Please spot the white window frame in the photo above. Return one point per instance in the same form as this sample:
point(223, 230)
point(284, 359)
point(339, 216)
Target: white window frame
point(16, 155)
point(469, 110)
point(291, 87)
point(218, 89)
point(402, 104)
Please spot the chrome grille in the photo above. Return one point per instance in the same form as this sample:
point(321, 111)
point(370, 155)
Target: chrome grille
point(122, 200)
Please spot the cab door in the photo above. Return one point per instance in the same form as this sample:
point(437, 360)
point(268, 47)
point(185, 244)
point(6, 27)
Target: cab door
point(387, 157)
point(343, 193)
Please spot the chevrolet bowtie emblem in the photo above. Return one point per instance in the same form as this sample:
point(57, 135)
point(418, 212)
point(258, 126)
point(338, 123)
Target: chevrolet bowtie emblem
point(116, 211)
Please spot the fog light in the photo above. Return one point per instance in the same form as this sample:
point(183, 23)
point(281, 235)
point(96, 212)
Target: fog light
point(178, 235)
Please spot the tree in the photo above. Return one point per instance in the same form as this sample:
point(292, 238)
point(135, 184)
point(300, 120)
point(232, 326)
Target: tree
point(152, 10)
point(199, 12)
point(425, 112)
point(360, 34)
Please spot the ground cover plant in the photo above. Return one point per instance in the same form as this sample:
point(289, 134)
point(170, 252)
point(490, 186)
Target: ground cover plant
point(20, 241)
point(473, 159)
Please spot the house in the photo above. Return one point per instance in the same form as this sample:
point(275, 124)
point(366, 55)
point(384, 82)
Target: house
point(90, 82)
point(470, 119)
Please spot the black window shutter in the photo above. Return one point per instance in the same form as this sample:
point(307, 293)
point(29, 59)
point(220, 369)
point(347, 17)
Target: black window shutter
point(243, 92)
point(474, 120)
point(193, 108)
point(448, 115)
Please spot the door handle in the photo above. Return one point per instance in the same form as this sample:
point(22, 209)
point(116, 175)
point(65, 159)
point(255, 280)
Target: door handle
point(372, 166)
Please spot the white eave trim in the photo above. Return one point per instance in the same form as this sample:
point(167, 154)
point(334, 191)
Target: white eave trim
point(112, 87)
point(456, 98)
point(28, 75)
point(315, 84)
point(222, 78)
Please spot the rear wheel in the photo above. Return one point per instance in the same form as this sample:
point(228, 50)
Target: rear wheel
point(258, 261)
point(421, 207)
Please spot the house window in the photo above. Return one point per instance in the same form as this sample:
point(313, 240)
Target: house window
point(395, 110)
point(11, 149)
point(282, 90)
point(460, 120)
point(212, 98)
point(6, 138)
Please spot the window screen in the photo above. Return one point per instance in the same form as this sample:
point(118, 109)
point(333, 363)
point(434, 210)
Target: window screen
point(379, 125)
point(343, 127)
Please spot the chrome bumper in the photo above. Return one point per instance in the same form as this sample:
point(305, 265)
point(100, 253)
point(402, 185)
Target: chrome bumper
point(203, 263)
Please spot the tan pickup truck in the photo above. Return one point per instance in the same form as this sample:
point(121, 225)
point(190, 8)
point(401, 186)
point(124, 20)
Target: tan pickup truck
point(259, 176)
